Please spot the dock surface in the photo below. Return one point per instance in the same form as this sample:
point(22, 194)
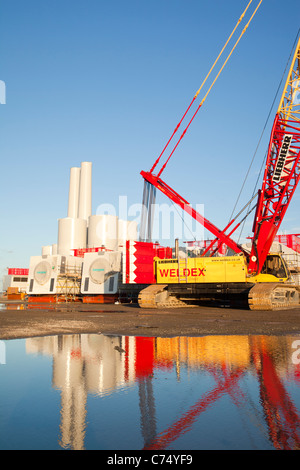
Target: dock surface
point(24, 321)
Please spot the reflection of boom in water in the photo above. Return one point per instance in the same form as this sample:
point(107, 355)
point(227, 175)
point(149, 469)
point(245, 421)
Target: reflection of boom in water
point(98, 364)
point(184, 424)
point(147, 409)
point(279, 410)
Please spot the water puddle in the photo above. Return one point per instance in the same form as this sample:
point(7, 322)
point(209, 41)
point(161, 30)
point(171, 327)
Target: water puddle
point(47, 307)
point(12, 306)
point(120, 392)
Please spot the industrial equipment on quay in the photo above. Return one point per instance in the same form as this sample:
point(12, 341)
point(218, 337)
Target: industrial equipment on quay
point(85, 263)
point(98, 258)
point(255, 274)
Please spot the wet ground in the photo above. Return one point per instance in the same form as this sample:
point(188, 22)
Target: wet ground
point(25, 321)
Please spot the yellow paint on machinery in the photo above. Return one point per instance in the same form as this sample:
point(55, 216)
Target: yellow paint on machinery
point(234, 351)
point(217, 270)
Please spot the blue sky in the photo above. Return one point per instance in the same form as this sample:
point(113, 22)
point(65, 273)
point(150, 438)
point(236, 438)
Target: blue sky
point(107, 82)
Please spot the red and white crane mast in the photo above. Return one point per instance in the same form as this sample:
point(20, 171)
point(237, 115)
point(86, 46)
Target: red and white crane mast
point(281, 176)
point(282, 170)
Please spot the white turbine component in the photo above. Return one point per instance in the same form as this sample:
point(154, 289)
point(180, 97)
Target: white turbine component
point(100, 272)
point(50, 275)
point(122, 232)
point(103, 231)
point(127, 230)
point(42, 272)
point(85, 191)
point(132, 231)
point(74, 192)
point(72, 234)
point(47, 250)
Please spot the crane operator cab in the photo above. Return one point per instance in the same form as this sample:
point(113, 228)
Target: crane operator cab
point(274, 266)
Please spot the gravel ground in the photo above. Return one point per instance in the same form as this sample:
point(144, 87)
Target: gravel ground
point(23, 321)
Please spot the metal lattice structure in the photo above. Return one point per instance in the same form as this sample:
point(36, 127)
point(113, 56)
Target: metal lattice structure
point(68, 283)
point(282, 170)
point(281, 177)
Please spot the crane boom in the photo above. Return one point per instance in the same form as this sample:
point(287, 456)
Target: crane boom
point(282, 169)
point(155, 181)
point(260, 277)
point(181, 202)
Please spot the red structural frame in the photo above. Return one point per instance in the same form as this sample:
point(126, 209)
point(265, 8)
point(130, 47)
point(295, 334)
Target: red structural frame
point(281, 177)
point(183, 203)
point(274, 197)
point(279, 411)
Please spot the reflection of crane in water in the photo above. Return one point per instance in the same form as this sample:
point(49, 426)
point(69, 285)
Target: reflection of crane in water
point(147, 409)
point(279, 410)
point(98, 365)
point(183, 424)
point(280, 413)
point(144, 365)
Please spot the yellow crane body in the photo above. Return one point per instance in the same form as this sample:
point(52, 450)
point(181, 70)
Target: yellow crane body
point(190, 281)
point(217, 270)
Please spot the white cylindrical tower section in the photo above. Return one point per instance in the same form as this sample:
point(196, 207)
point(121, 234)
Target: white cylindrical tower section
point(132, 230)
point(72, 234)
point(47, 250)
point(85, 191)
point(74, 192)
point(103, 231)
point(122, 232)
point(127, 230)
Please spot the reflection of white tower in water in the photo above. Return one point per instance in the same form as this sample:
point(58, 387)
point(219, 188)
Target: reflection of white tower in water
point(84, 364)
point(68, 376)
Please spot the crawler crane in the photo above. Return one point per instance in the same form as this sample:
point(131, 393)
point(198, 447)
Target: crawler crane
point(258, 276)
